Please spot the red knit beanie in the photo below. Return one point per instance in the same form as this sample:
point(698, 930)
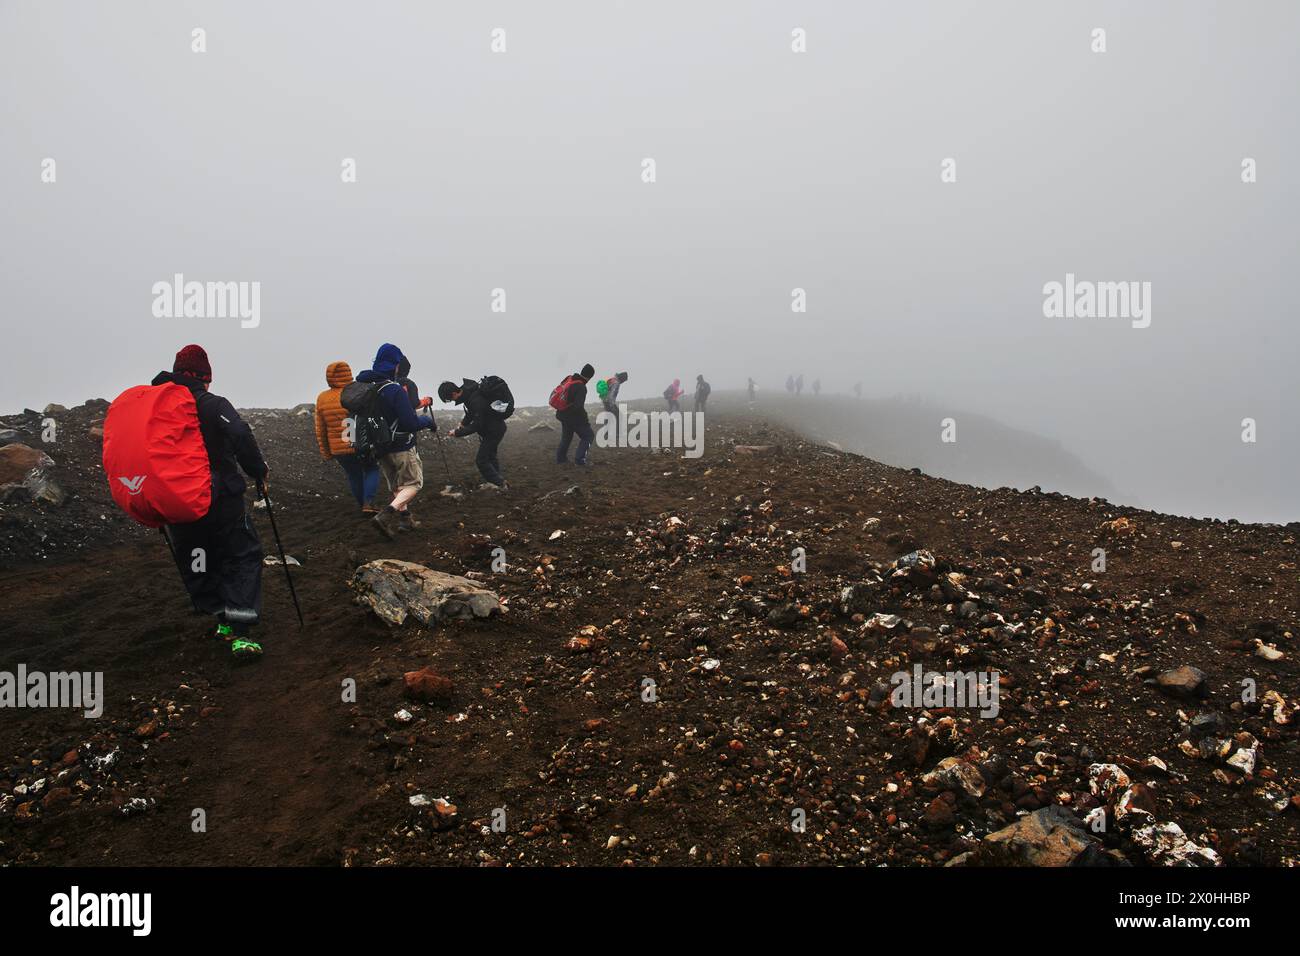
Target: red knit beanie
point(193, 361)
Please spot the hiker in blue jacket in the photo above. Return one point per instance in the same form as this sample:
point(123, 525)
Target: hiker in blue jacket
point(400, 465)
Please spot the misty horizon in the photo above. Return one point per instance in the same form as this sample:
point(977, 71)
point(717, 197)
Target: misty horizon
point(775, 171)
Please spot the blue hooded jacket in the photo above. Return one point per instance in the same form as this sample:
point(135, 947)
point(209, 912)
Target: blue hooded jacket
point(393, 397)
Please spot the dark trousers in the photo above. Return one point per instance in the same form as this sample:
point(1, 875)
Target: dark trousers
point(486, 459)
point(568, 428)
point(230, 554)
point(363, 479)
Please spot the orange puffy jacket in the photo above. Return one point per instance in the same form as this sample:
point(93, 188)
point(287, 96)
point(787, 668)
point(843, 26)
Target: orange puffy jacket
point(330, 412)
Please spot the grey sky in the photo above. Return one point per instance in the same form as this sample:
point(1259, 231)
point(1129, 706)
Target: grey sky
point(775, 170)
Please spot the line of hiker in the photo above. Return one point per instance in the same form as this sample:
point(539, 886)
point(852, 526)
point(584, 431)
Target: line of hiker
point(370, 425)
point(177, 456)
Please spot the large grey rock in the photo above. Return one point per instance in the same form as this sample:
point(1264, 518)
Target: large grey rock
point(1052, 836)
point(395, 590)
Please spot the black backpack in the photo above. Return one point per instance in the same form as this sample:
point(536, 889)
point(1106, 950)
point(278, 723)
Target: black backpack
point(373, 435)
point(495, 389)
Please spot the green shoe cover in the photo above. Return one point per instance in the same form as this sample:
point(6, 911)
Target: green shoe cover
point(243, 648)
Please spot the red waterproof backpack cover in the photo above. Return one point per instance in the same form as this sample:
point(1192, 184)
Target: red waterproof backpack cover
point(560, 394)
point(154, 456)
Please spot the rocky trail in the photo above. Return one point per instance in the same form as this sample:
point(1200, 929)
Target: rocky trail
point(667, 680)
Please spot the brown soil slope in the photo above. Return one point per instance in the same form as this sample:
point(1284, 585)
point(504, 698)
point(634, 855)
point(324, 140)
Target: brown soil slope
point(767, 683)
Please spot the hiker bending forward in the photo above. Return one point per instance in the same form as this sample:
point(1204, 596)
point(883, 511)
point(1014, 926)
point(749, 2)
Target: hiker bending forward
point(482, 418)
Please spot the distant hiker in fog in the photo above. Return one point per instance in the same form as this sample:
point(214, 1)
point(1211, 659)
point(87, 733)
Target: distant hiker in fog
point(857, 390)
point(789, 384)
point(702, 389)
point(817, 386)
point(798, 384)
point(752, 387)
point(487, 406)
point(607, 390)
point(230, 585)
point(569, 400)
point(363, 476)
point(388, 404)
point(673, 395)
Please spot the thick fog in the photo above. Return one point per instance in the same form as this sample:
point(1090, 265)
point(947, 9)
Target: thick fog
point(774, 170)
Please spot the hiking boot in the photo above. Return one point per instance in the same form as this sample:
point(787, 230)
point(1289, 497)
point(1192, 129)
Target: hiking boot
point(407, 521)
point(369, 508)
point(224, 632)
point(245, 650)
point(387, 521)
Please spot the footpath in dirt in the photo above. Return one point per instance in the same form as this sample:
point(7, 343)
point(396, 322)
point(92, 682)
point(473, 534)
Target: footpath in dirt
point(693, 664)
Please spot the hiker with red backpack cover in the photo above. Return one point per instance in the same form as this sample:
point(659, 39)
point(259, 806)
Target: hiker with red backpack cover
point(173, 453)
point(569, 400)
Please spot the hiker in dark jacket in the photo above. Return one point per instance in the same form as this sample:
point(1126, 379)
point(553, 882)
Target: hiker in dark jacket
point(220, 556)
point(480, 419)
point(702, 390)
point(573, 419)
point(401, 465)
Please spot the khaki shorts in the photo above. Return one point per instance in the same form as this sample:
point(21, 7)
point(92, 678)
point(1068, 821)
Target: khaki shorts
point(402, 469)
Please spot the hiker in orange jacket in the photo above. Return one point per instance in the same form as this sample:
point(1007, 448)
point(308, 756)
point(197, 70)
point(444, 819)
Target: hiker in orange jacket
point(330, 418)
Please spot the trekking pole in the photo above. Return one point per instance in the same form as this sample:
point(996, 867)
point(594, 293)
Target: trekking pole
point(279, 546)
point(446, 467)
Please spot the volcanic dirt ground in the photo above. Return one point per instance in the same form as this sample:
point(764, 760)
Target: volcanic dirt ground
point(718, 696)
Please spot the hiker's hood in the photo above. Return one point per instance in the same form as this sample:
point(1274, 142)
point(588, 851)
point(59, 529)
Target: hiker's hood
point(387, 359)
point(467, 388)
point(338, 374)
point(404, 367)
point(676, 382)
point(179, 378)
